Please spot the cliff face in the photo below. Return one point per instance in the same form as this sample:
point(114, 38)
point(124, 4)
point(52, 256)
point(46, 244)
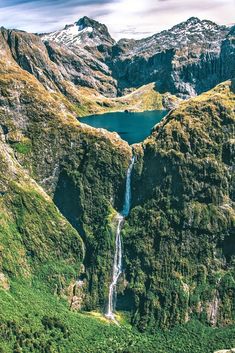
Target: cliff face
point(81, 168)
point(186, 60)
point(85, 64)
point(179, 239)
point(57, 67)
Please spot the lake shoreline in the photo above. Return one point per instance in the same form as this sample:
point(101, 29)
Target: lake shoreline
point(132, 127)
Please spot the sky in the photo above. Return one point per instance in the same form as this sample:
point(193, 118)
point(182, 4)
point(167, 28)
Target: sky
point(124, 18)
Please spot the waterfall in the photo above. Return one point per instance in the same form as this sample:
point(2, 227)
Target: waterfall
point(117, 268)
point(117, 263)
point(127, 202)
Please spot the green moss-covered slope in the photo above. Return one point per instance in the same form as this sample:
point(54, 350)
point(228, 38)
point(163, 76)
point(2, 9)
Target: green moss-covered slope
point(83, 169)
point(36, 240)
point(179, 239)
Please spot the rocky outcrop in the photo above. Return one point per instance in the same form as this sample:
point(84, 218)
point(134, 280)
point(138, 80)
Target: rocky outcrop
point(4, 283)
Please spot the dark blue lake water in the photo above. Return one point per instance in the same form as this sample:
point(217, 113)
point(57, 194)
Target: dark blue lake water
point(132, 127)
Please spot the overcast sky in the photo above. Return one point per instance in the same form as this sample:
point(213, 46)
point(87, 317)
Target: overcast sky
point(124, 18)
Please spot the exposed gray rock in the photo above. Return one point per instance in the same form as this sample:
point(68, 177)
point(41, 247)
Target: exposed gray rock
point(186, 60)
point(84, 32)
point(190, 58)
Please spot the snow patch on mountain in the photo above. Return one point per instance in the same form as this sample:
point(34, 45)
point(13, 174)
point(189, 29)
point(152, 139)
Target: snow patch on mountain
point(191, 33)
point(84, 32)
point(71, 34)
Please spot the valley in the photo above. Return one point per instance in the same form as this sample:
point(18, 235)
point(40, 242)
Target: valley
point(164, 268)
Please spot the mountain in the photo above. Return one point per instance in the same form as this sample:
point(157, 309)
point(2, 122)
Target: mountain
point(62, 184)
point(185, 60)
point(58, 152)
point(84, 32)
point(78, 76)
point(92, 71)
point(191, 33)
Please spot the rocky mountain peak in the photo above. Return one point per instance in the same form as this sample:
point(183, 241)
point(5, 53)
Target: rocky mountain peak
point(85, 22)
point(197, 26)
point(192, 34)
point(84, 32)
point(193, 20)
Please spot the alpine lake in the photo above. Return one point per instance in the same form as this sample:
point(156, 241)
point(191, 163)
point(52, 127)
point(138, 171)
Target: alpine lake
point(132, 127)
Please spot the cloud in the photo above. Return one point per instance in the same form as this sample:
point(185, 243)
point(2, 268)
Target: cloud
point(152, 16)
point(49, 3)
point(48, 15)
point(128, 18)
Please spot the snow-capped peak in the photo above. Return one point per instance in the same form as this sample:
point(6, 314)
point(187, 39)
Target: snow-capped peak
point(193, 32)
point(85, 22)
point(84, 32)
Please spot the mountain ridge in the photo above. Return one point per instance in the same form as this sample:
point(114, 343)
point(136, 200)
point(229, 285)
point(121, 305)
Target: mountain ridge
point(166, 56)
point(86, 21)
point(114, 69)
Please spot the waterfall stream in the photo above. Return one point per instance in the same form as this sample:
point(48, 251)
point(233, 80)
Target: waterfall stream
point(117, 263)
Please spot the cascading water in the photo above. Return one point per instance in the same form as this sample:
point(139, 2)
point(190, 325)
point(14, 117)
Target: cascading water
point(117, 264)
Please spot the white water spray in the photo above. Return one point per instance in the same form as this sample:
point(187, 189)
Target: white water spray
point(117, 264)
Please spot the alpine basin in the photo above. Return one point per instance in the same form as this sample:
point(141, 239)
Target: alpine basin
point(132, 127)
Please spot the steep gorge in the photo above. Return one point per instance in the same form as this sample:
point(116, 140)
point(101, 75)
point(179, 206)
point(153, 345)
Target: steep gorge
point(179, 236)
point(177, 241)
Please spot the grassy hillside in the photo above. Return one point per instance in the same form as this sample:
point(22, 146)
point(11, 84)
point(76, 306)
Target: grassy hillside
point(141, 99)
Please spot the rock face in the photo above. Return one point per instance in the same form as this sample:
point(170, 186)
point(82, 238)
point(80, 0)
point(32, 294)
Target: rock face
point(57, 68)
point(81, 59)
point(179, 239)
point(186, 60)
